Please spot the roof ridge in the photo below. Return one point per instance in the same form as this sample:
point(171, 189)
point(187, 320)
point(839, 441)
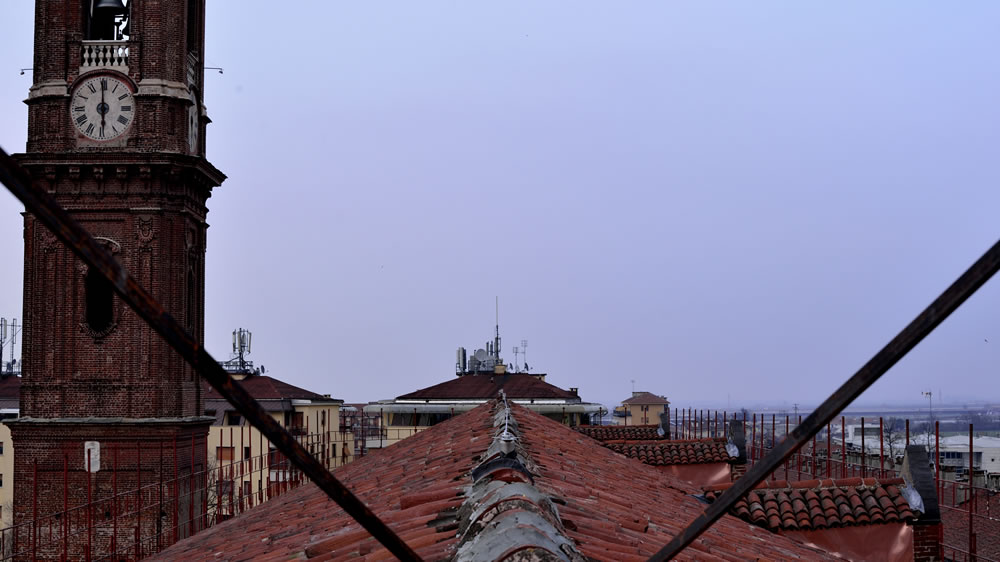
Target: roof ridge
point(504, 512)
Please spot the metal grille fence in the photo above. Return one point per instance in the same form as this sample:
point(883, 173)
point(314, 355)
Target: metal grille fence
point(968, 496)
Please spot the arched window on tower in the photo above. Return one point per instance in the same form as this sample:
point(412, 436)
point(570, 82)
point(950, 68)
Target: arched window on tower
point(99, 302)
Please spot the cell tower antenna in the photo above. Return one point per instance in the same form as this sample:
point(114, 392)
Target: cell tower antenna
point(496, 338)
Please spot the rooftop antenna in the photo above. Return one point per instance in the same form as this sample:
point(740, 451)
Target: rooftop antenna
point(517, 366)
point(496, 338)
point(524, 353)
point(241, 346)
point(8, 332)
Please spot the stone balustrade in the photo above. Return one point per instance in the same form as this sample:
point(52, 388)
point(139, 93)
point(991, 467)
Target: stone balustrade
point(104, 54)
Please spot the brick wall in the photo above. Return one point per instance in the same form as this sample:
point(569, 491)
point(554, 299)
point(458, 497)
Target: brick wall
point(162, 457)
point(927, 540)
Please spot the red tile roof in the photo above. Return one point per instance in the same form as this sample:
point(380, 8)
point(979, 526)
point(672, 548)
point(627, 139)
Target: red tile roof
point(646, 398)
point(620, 432)
point(409, 485)
point(661, 453)
point(612, 507)
point(263, 387)
point(984, 522)
point(820, 504)
point(487, 386)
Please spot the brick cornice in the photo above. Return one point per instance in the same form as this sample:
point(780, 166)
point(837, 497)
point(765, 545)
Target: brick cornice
point(32, 160)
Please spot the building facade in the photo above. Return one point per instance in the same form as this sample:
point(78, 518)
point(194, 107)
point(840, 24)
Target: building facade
point(244, 468)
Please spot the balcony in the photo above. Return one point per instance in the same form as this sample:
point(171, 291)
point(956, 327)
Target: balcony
point(104, 55)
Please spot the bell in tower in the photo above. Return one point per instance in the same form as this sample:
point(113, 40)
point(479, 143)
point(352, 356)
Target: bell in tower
point(107, 20)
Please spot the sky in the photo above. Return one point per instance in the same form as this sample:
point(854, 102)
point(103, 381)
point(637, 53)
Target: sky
point(727, 203)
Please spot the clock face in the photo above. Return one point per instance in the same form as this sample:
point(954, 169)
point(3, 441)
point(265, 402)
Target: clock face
point(102, 108)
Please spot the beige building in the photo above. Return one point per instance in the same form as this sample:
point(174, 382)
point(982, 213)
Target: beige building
point(245, 467)
point(10, 394)
point(643, 408)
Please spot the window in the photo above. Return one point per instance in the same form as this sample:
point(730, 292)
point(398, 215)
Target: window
point(234, 419)
point(99, 301)
point(1, 447)
point(223, 454)
point(246, 453)
point(192, 288)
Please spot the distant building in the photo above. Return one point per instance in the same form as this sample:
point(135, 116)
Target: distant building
point(246, 465)
point(642, 408)
point(954, 453)
point(481, 376)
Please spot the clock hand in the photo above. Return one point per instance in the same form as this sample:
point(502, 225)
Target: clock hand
point(102, 106)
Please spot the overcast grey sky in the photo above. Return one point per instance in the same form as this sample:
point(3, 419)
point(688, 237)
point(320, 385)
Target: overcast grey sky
point(720, 200)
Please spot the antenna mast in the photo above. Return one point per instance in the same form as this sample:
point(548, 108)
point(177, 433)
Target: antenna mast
point(496, 338)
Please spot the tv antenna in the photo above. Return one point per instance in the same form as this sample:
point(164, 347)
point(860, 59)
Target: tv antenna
point(524, 353)
point(517, 366)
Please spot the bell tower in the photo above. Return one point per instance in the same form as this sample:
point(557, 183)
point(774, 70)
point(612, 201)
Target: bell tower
point(116, 132)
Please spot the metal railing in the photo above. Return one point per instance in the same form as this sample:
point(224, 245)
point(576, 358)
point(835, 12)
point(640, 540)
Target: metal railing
point(123, 516)
point(968, 510)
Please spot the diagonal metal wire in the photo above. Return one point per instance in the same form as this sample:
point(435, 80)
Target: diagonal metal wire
point(45, 208)
point(963, 288)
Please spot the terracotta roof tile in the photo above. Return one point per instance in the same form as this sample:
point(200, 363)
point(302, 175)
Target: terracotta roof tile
point(620, 432)
point(660, 453)
point(486, 387)
point(820, 504)
point(611, 507)
point(263, 387)
point(646, 398)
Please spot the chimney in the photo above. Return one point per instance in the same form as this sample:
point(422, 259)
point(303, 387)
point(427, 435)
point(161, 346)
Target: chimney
point(737, 442)
point(665, 424)
point(574, 391)
point(928, 532)
point(637, 393)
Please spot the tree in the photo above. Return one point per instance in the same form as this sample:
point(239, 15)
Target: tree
point(892, 433)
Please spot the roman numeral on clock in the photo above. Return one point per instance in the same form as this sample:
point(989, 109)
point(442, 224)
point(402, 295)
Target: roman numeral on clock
point(123, 96)
point(123, 120)
point(90, 128)
point(78, 108)
point(126, 108)
point(81, 119)
point(92, 88)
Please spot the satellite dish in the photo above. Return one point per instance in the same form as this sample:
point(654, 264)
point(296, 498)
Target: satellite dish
point(660, 432)
point(481, 354)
